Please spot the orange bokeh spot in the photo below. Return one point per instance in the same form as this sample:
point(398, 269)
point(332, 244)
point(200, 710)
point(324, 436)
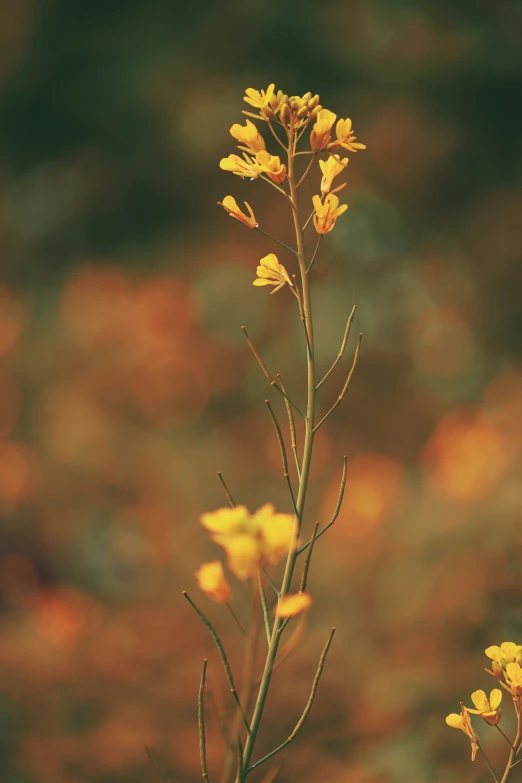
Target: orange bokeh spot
point(59, 616)
point(441, 342)
point(15, 472)
point(466, 456)
point(9, 403)
point(374, 486)
point(12, 319)
point(96, 304)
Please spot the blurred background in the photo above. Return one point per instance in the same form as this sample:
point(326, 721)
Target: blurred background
point(125, 383)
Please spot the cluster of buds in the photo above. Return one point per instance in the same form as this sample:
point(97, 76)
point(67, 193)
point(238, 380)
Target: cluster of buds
point(294, 110)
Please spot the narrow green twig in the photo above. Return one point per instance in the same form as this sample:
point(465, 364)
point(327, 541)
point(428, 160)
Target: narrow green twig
point(235, 618)
point(336, 510)
point(272, 583)
point(276, 137)
point(487, 762)
point(306, 568)
point(302, 314)
point(306, 710)
point(222, 654)
point(505, 737)
point(342, 349)
point(277, 241)
point(345, 387)
point(201, 724)
point(310, 265)
point(307, 169)
point(308, 221)
point(266, 615)
point(155, 764)
point(283, 453)
point(227, 491)
point(291, 425)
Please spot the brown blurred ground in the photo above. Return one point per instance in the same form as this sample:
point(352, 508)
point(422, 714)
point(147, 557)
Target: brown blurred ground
point(125, 383)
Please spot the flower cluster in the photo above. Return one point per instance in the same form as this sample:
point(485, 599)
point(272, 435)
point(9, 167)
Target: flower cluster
point(293, 114)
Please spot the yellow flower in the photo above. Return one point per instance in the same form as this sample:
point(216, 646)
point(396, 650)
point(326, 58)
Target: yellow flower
point(331, 168)
point(246, 167)
point(513, 679)
point(271, 165)
point(293, 603)
point(212, 580)
point(327, 213)
point(487, 708)
point(345, 137)
point(508, 652)
point(321, 132)
point(463, 722)
point(229, 203)
point(271, 272)
point(249, 136)
point(250, 539)
point(259, 98)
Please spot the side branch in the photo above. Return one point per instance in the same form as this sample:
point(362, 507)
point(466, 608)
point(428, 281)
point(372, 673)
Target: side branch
point(283, 453)
point(291, 424)
point(338, 505)
point(277, 241)
point(222, 655)
point(342, 349)
point(306, 710)
point(302, 586)
point(227, 491)
point(201, 724)
point(345, 387)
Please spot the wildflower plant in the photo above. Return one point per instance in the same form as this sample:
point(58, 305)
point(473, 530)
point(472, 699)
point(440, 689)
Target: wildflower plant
point(254, 544)
point(505, 667)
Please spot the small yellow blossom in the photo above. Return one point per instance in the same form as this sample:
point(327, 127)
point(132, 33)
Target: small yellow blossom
point(327, 213)
point(345, 137)
point(259, 99)
point(487, 708)
point(294, 603)
point(249, 136)
point(250, 539)
point(331, 168)
point(463, 722)
point(508, 652)
point(229, 203)
point(271, 272)
point(271, 165)
point(212, 580)
point(321, 132)
point(243, 167)
point(513, 679)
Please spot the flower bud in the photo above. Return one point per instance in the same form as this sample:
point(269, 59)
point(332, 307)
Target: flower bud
point(497, 669)
point(303, 112)
point(285, 113)
point(294, 102)
point(306, 97)
point(313, 102)
point(315, 112)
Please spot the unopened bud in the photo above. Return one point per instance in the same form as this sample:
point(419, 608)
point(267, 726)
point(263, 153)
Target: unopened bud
point(285, 113)
point(315, 112)
point(313, 102)
point(303, 112)
point(498, 671)
point(267, 112)
point(294, 102)
point(518, 657)
point(306, 97)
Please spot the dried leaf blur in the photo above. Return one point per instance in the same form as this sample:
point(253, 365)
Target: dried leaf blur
point(125, 383)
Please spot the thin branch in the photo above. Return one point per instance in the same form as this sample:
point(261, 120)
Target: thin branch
point(272, 585)
point(277, 241)
point(306, 568)
point(307, 708)
point(201, 724)
point(310, 265)
point(487, 762)
point(235, 617)
point(276, 137)
point(308, 221)
point(266, 615)
point(291, 425)
point(222, 654)
point(283, 453)
point(281, 190)
point(302, 313)
point(506, 738)
point(345, 387)
point(157, 766)
point(267, 374)
point(342, 349)
point(227, 491)
point(312, 159)
point(336, 510)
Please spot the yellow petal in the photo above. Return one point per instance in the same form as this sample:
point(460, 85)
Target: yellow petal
point(259, 281)
point(480, 700)
point(277, 530)
point(243, 555)
point(494, 652)
point(455, 721)
point(225, 520)
point(495, 698)
point(212, 580)
point(294, 603)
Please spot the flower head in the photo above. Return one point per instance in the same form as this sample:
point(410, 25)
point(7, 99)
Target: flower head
point(259, 99)
point(250, 539)
point(271, 272)
point(508, 652)
point(249, 136)
point(345, 137)
point(327, 212)
point(321, 132)
point(463, 722)
point(513, 679)
point(243, 167)
point(229, 203)
point(293, 603)
point(487, 708)
point(331, 168)
point(271, 165)
point(212, 580)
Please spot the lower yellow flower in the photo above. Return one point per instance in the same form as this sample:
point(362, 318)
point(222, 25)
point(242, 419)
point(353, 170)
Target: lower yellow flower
point(245, 168)
point(229, 203)
point(327, 212)
point(487, 708)
point(212, 580)
point(331, 168)
point(271, 272)
point(513, 679)
point(271, 165)
point(463, 722)
point(345, 137)
point(293, 603)
point(321, 132)
point(250, 539)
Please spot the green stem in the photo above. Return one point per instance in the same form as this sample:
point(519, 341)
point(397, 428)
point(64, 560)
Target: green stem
point(516, 743)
